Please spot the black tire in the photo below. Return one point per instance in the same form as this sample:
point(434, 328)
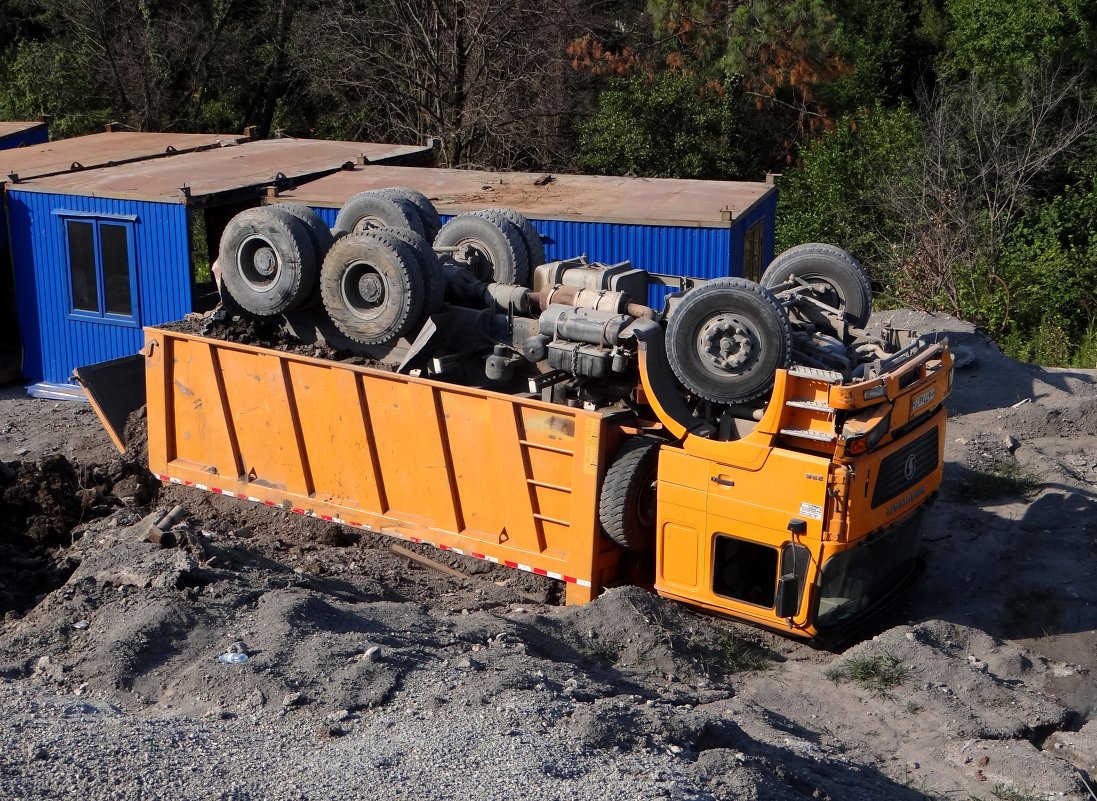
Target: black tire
point(371, 288)
point(841, 279)
point(535, 248)
point(434, 281)
point(492, 249)
point(512, 231)
point(406, 251)
point(321, 234)
point(726, 339)
point(432, 223)
point(627, 502)
point(268, 263)
point(371, 210)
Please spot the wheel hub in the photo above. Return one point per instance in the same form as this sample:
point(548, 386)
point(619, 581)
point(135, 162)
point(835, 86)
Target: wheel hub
point(726, 345)
point(264, 261)
point(367, 224)
point(371, 287)
point(473, 256)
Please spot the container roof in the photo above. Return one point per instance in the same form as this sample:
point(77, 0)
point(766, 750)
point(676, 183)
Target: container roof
point(592, 198)
point(15, 128)
point(245, 168)
point(99, 150)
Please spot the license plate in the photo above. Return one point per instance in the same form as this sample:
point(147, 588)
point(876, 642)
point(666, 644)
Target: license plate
point(923, 399)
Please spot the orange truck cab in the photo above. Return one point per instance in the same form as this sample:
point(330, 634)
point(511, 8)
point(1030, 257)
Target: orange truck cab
point(807, 523)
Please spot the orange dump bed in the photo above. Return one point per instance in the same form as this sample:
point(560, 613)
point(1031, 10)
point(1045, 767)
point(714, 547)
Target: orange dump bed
point(485, 474)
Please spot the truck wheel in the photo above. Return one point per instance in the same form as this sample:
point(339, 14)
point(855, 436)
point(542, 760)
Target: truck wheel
point(371, 287)
point(432, 223)
point(268, 262)
point(321, 234)
point(370, 210)
point(535, 248)
point(727, 338)
point(839, 278)
point(491, 249)
point(406, 251)
point(626, 504)
point(434, 281)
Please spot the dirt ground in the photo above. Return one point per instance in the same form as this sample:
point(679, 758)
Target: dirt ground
point(370, 675)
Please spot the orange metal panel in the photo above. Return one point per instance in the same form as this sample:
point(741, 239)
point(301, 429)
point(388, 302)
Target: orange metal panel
point(508, 479)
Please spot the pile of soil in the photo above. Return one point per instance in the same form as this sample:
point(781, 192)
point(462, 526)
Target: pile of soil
point(43, 505)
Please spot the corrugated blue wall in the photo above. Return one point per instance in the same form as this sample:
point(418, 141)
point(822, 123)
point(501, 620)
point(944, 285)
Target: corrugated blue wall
point(34, 136)
point(668, 249)
point(54, 344)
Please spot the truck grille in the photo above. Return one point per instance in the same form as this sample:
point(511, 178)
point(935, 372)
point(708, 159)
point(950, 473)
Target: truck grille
point(905, 468)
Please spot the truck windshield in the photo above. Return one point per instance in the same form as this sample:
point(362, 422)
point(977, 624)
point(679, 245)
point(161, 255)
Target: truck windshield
point(858, 579)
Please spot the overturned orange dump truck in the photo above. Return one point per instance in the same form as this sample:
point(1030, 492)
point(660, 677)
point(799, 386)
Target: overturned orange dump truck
point(749, 449)
point(798, 525)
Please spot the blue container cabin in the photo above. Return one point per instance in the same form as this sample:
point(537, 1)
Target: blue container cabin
point(99, 254)
point(27, 162)
point(23, 134)
point(678, 229)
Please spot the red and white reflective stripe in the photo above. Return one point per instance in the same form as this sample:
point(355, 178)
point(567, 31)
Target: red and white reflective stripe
point(388, 533)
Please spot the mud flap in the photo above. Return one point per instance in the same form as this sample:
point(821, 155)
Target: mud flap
point(115, 389)
point(662, 388)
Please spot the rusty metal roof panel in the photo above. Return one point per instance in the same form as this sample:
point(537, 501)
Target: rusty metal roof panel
point(11, 128)
point(249, 166)
point(581, 198)
point(99, 150)
point(22, 134)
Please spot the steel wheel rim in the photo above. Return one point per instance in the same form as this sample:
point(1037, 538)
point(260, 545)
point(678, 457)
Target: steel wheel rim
point(259, 263)
point(364, 290)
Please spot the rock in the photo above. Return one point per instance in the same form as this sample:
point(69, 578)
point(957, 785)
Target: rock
point(372, 654)
point(255, 700)
point(294, 699)
point(38, 752)
point(127, 490)
point(962, 357)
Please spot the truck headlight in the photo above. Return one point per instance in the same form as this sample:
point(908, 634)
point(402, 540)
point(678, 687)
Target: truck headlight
point(863, 443)
point(876, 392)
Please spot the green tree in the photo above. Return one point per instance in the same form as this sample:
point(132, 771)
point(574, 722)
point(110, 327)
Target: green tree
point(1003, 40)
point(52, 77)
point(834, 195)
point(671, 126)
point(1049, 272)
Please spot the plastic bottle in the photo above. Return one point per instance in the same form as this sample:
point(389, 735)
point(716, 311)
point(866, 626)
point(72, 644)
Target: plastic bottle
point(233, 659)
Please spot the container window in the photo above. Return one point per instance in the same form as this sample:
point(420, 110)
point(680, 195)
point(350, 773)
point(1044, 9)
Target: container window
point(114, 252)
point(745, 571)
point(101, 270)
point(85, 288)
point(752, 252)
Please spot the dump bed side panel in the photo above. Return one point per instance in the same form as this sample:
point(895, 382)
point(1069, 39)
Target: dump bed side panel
point(486, 474)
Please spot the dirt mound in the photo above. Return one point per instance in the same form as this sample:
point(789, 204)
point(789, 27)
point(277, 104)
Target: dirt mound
point(638, 631)
point(40, 503)
point(43, 506)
